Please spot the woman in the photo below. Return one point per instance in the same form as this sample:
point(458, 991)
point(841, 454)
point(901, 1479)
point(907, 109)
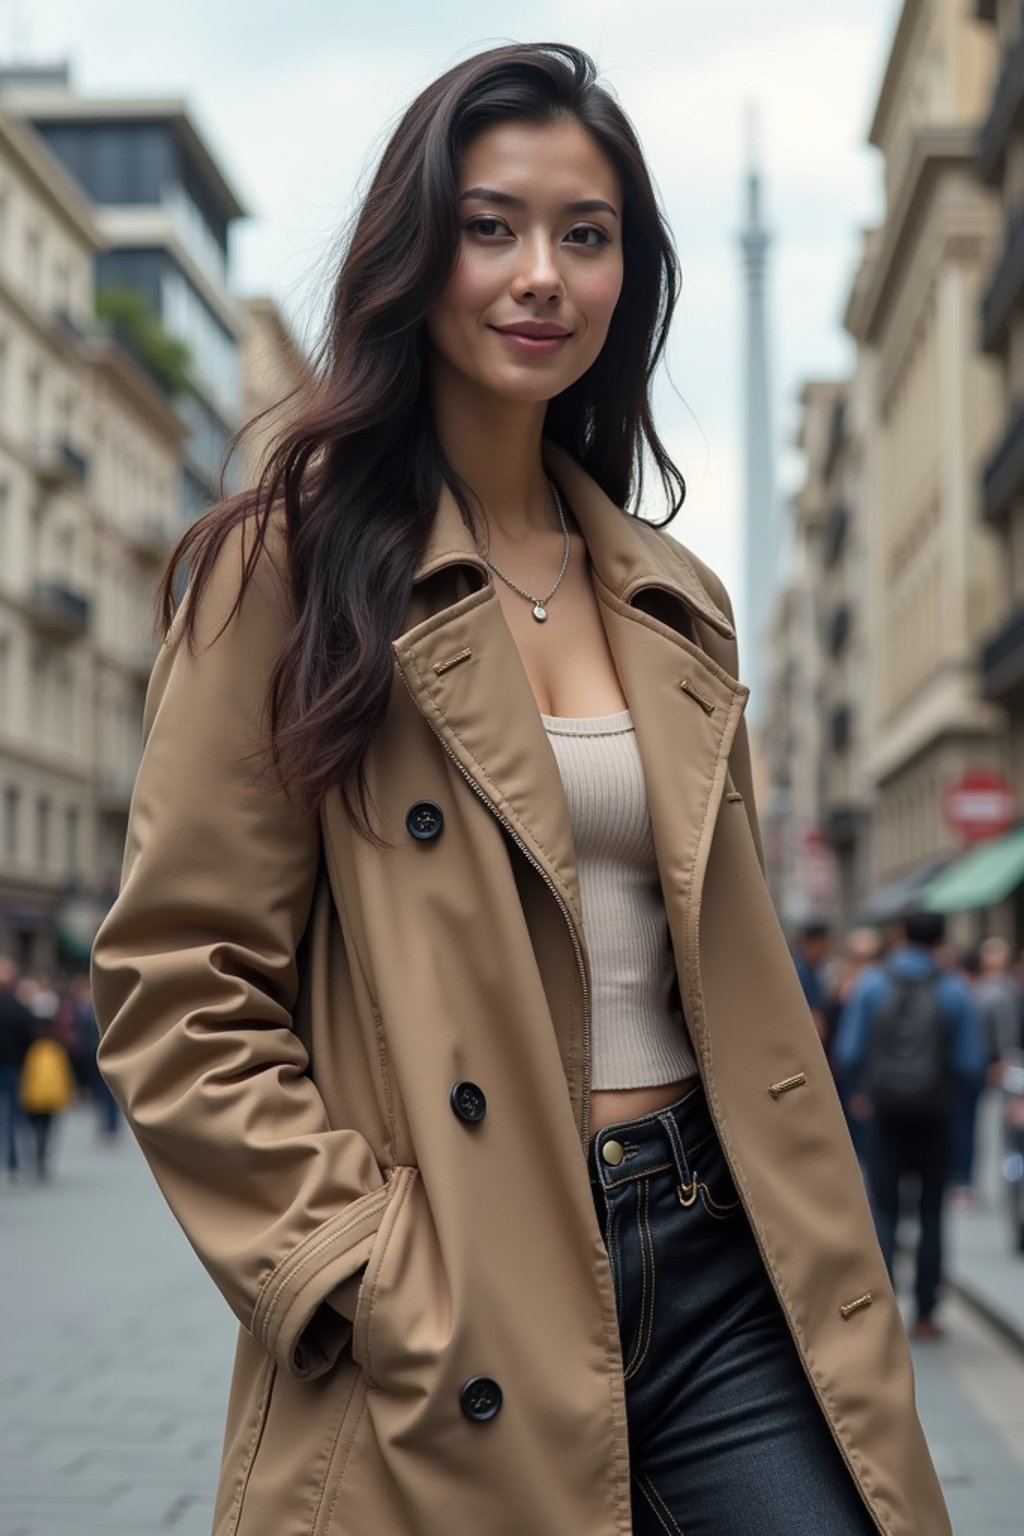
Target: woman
point(458, 1026)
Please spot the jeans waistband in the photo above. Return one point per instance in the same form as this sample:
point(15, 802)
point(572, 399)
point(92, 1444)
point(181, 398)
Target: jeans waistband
point(668, 1139)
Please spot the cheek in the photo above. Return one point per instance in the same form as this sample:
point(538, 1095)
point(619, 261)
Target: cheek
point(469, 290)
point(598, 294)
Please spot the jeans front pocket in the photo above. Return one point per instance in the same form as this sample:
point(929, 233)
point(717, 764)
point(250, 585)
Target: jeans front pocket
point(710, 1182)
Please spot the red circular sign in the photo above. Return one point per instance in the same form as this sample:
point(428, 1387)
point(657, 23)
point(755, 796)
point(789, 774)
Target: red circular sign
point(981, 804)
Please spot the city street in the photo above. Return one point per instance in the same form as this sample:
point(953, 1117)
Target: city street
point(114, 1371)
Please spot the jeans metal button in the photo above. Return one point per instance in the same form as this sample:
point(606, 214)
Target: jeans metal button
point(613, 1152)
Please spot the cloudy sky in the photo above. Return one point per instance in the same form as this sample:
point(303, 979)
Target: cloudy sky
point(296, 100)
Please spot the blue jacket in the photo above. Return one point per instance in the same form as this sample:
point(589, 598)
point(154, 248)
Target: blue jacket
point(967, 1054)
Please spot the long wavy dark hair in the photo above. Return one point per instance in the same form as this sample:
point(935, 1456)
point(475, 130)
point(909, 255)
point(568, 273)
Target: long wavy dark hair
point(356, 513)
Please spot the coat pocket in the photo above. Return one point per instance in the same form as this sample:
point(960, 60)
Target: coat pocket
point(382, 1271)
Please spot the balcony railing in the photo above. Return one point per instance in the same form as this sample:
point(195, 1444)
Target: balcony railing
point(835, 533)
point(1004, 473)
point(1006, 114)
point(58, 610)
point(60, 464)
point(64, 322)
point(1002, 659)
point(1006, 289)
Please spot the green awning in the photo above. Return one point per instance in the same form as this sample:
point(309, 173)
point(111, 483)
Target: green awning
point(980, 878)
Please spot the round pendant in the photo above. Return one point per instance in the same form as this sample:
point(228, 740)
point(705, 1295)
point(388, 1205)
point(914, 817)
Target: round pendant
point(540, 613)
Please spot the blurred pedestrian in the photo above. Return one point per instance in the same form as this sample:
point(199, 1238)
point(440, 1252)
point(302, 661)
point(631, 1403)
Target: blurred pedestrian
point(999, 1000)
point(17, 1031)
point(39, 996)
point(863, 948)
point(810, 955)
point(46, 1089)
point(86, 1035)
point(966, 1095)
point(910, 1036)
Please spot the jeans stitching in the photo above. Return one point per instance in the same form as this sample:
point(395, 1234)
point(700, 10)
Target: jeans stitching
point(611, 1240)
point(651, 1262)
point(633, 1177)
point(714, 1207)
point(632, 1366)
point(651, 1494)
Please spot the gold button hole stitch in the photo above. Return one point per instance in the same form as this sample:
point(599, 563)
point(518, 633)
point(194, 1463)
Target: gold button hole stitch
point(796, 1081)
point(849, 1307)
point(706, 704)
point(453, 661)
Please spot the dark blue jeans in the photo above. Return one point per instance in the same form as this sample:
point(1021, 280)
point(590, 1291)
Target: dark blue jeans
point(10, 1114)
point(726, 1436)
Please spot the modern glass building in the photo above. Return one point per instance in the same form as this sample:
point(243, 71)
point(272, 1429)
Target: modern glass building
point(165, 208)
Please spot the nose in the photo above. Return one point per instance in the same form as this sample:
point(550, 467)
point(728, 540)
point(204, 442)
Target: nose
point(538, 277)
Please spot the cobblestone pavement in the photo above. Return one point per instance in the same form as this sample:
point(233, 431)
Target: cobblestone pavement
point(114, 1369)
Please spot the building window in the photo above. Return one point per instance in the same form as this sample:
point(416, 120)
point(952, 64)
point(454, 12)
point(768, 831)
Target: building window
point(5, 531)
point(65, 567)
point(12, 817)
point(34, 263)
point(71, 848)
point(62, 287)
point(5, 683)
point(35, 540)
point(43, 830)
point(66, 708)
point(33, 404)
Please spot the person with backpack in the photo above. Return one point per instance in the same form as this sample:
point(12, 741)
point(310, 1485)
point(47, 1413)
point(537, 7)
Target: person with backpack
point(910, 1038)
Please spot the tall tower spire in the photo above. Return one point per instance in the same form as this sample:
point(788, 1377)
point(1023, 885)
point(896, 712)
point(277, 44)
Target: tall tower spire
point(760, 517)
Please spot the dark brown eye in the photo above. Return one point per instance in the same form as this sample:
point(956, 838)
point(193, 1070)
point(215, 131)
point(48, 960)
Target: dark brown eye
point(486, 225)
point(600, 238)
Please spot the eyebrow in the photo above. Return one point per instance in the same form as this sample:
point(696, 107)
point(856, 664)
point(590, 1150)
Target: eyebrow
point(505, 199)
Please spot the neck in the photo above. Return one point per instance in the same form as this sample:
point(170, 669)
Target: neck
point(494, 446)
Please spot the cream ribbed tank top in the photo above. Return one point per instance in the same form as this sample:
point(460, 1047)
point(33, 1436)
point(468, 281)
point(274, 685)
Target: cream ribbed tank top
point(638, 1033)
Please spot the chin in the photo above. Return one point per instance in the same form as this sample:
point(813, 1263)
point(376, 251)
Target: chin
point(535, 390)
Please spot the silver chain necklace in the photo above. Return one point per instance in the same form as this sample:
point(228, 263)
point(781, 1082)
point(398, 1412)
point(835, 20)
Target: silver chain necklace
point(540, 611)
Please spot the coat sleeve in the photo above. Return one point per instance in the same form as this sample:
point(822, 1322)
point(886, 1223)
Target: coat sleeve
point(195, 977)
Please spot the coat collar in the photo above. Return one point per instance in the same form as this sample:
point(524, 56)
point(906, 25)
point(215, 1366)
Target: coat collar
point(626, 553)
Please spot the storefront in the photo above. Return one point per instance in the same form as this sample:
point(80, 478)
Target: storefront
point(985, 887)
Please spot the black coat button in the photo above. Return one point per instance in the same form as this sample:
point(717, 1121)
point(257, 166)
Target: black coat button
point(425, 820)
point(468, 1102)
point(480, 1399)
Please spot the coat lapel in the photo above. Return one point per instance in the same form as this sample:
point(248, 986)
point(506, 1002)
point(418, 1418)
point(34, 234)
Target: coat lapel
point(463, 670)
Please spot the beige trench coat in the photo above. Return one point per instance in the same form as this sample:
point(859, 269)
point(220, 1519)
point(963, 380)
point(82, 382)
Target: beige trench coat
point(284, 1011)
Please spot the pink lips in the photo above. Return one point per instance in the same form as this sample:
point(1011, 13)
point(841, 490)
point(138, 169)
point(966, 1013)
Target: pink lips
point(533, 337)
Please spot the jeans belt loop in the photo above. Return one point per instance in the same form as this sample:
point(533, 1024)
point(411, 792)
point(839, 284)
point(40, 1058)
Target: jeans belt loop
point(686, 1186)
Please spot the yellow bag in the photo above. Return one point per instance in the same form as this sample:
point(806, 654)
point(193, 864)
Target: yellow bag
point(47, 1082)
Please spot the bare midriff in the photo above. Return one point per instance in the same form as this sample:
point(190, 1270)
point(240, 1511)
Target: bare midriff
point(611, 1105)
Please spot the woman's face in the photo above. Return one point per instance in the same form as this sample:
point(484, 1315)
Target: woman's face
point(527, 308)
